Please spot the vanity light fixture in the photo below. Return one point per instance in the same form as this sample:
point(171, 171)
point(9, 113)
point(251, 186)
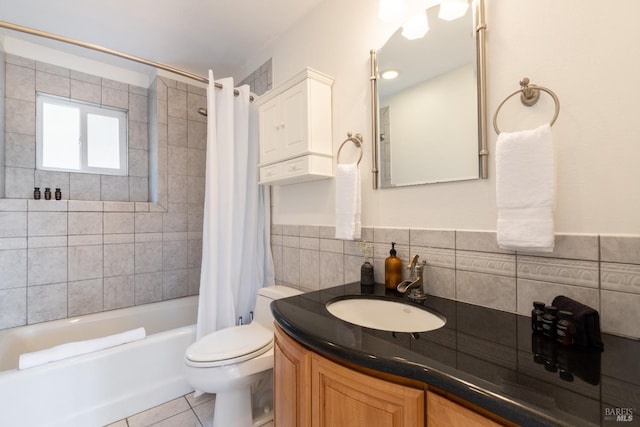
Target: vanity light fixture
point(391, 10)
point(416, 27)
point(390, 74)
point(453, 9)
point(397, 11)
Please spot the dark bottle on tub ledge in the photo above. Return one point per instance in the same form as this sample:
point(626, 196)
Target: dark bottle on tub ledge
point(58, 194)
point(36, 193)
point(47, 193)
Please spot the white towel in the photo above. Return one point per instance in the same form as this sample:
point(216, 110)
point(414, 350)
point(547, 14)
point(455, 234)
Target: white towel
point(63, 351)
point(526, 189)
point(348, 224)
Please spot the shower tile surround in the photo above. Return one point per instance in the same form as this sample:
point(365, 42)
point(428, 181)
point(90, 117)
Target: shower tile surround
point(2, 138)
point(24, 78)
point(141, 243)
point(71, 257)
point(261, 80)
point(602, 271)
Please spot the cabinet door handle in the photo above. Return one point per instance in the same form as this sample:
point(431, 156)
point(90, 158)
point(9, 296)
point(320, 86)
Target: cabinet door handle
point(294, 168)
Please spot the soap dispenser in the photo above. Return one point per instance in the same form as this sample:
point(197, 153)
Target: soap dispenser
point(392, 269)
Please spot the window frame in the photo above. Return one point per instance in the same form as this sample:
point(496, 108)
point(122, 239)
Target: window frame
point(85, 108)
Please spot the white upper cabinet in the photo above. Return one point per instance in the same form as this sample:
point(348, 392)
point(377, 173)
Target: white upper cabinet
point(295, 130)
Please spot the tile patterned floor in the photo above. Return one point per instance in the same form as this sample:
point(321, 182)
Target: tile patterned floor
point(186, 411)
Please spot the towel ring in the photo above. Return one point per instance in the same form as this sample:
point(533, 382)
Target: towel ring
point(529, 95)
point(357, 140)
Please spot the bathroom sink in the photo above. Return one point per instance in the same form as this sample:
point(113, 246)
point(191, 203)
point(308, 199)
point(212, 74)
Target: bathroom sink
point(385, 314)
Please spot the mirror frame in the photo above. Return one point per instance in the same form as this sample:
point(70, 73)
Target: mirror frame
point(483, 151)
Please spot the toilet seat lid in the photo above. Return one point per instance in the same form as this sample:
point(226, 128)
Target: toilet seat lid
point(230, 345)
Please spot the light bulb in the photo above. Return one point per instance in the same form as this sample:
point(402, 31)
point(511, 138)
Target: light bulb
point(416, 27)
point(390, 74)
point(453, 9)
point(390, 10)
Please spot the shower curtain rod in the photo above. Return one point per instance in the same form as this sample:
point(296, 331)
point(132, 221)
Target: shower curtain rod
point(102, 49)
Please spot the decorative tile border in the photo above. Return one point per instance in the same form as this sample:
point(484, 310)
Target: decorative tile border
point(620, 277)
point(601, 271)
point(486, 262)
point(570, 272)
point(445, 258)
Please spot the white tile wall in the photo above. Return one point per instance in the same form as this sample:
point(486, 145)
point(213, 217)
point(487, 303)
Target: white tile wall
point(23, 78)
point(72, 257)
point(83, 256)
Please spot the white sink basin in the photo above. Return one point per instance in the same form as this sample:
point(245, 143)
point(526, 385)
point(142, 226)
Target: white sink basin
point(385, 315)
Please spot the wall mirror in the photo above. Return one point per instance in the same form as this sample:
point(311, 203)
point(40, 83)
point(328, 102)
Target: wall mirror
point(430, 121)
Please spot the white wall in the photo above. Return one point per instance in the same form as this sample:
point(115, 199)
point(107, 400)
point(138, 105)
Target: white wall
point(50, 55)
point(581, 49)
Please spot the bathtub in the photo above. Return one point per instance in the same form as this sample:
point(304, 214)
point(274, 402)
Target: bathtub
point(98, 388)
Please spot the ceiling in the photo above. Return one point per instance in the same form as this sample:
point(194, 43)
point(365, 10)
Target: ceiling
point(193, 35)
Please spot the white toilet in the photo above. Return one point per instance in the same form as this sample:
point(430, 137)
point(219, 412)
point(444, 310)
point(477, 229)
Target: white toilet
point(229, 361)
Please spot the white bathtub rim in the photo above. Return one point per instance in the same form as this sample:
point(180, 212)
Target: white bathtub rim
point(99, 316)
point(137, 375)
point(87, 357)
point(130, 315)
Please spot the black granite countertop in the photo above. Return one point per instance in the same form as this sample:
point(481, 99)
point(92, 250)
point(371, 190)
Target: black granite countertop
point(487, 357)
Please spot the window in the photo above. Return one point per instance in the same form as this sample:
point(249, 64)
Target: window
point(74, 136)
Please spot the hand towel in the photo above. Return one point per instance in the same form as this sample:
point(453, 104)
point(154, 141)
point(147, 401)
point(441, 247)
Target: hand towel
point(63, 351)
point(526, 189)
point(348, 224)
point(586, 319)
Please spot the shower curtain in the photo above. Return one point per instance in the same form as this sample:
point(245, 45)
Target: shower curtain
point(236, 254)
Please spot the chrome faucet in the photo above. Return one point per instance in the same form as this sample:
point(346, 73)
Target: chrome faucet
point(412, 266)
point(415, 282)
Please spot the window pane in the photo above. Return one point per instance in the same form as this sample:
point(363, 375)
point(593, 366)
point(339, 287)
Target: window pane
point(61, 137)
point(103, 145)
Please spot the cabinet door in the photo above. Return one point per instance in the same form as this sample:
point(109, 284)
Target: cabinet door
point(343, 397)
point(291, 385)
point(270, 119)
point(295, 120)
point(442, 412)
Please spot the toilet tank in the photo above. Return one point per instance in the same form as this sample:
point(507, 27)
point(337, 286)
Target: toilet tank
point(262, 312)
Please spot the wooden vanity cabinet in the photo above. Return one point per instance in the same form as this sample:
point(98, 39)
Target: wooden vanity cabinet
point(442, 412)
point(313, 391)
point(291, 385)
point(343, 397)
